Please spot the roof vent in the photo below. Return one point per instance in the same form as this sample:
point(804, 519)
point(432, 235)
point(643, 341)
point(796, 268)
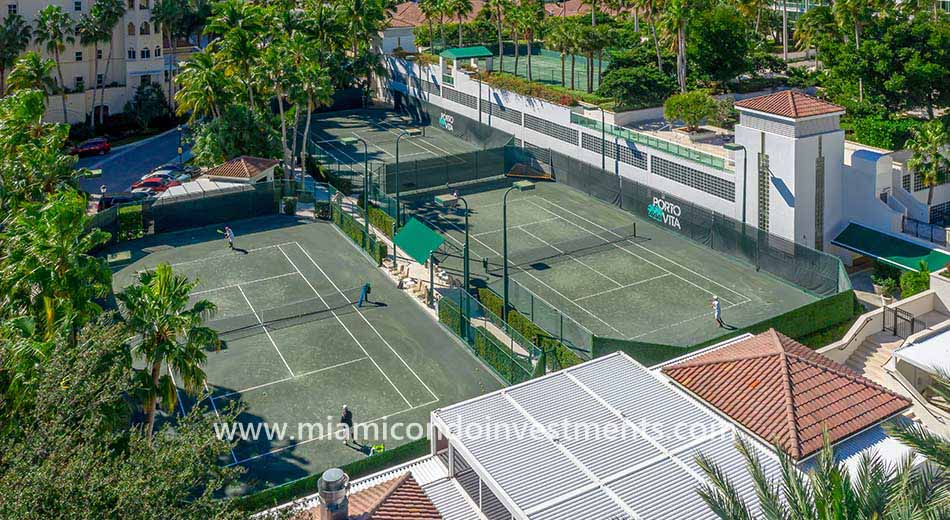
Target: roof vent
point(333, 487)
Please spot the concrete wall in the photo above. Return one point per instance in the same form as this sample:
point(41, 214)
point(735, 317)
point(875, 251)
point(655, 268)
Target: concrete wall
point(80, 104)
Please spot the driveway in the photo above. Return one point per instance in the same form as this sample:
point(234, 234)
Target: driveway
point(127, 164)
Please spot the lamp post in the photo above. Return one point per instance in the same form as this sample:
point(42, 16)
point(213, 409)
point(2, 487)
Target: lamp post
point(402, 133)
point(520, 186)
point(349, 140)
point(465, 256)
point(179, 145)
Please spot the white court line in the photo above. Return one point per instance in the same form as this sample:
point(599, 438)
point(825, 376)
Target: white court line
point(335, 315)
point(519, 226)
point(322, 437)
point(601, 293)
point(381, 337)
point(525, 271)
point(703, 315)
point(572, 257)
point(618, 246)
point(233, 456)
point(233, 285)
point(374, 145)
point(227, 255)
point(445, 153)
point(272, 342)
point(256, 387)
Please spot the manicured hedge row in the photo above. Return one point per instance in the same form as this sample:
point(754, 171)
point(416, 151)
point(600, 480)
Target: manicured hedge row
point(130, 222)
point(450, 315)
point(382, 221)
point(562, 357)
point(352, 228)
point(797, 323)
point(499, 357)
point(308, 485)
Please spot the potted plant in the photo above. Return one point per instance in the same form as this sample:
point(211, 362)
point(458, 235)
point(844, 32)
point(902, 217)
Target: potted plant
point(691, 108)
point(888, 288)
point(878, 282)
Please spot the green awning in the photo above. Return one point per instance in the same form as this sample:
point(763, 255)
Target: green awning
point(890, 249)
point(463, 53)
point(418, 241)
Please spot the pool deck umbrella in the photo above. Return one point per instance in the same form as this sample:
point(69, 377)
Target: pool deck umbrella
point(890, 249)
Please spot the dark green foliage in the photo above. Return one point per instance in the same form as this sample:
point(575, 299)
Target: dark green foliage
point(637, 87)
point(382, 221)
point(289, 205)
point(450, 315)
point(308, 485)
point(323, 174)
point(148, 105)
point(890, 134)
point(239, 131)
point(691, 108)
point(500, 357)
point(915, 282)
point(883, 270)
point(130, 222)
point(355, 230)
point(719, 44)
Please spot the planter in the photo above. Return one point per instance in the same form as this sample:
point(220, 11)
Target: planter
point(887, 300)
point(696, 135)
point(877, 288)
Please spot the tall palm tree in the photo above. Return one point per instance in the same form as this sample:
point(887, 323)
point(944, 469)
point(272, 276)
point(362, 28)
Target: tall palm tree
point(275, 72)
point(676, 17)
point(92, 32)
point(753, 9)
point(429, 9)
point(811, 26)
point(313, 88)
point(54, 30)
point(170, 335)
point(558, 37)
point(935, 447)
point(650, 7)
point(170, 16)
point(460, 9)
point(33, 72)
point(498, 8)
point(930, 143)
point(532, 20)
point(853, 14)
point(203, 87)
point(108, 12)
point(515, 20)
point(828, 492)
point(15, 35)
point(239, 50)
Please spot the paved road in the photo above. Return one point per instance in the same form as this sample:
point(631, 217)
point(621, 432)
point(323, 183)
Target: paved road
point(129, 163)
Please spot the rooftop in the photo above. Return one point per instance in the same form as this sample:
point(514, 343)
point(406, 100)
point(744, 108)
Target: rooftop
point(784, 392)
point(790, 104)
point(243, 167)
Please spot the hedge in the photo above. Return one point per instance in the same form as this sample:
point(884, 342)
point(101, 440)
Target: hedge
point(500, 357)
point(308, 485)
point(450, 315)
point(797, 324)
point(563, 355)
point(352, 228)
point(130, 222)
point(382, 221)
point(553, 93)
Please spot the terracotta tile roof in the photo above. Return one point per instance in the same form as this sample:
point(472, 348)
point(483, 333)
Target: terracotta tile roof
point(408, 14)
point(785, 392)
point(243, 167)
point(790, 103)
point(398, 499)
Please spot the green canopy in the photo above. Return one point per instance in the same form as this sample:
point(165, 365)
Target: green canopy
point(462, 53)
point(890, 249)
point(418, 241)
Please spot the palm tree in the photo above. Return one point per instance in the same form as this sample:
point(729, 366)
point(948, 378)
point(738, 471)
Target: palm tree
point(32, 72)
point(532, 20)
point(170, 335)
point(239, 50)
point(676, 17)
point(109, 12)
point(752, 9)
point(930, 143)
point(811, 27)
point(930, 445)
point(15, 35)
point(853, 13)
point(203, 87)
point(275, 72)
point(829, 491)
point(429, 9)
point(498, 7)
point(92, 31)
point(54, 29)
point(461, 9)
point(650, 6)
point(170, 16)
point(514, 18)
point(558, 37)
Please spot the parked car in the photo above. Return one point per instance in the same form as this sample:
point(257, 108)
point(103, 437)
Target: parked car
point(154, 185)
point(161, 174)
point(96, 146)
point(122, 197)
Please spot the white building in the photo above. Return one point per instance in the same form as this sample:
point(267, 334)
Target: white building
point(138, 56)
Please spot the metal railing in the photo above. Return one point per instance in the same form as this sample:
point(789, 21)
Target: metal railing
point(669, 147)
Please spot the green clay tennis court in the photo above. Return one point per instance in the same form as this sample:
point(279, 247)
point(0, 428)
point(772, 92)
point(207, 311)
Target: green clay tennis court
point(546, 67)
point(388, 360)
point(580, 255)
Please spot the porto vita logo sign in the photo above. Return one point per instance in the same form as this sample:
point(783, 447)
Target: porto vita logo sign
point(665, 212)
point(446, 121)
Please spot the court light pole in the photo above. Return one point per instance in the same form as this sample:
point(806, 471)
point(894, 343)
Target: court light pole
point(519, 186)
point(402, 133)
point(350, 140)
point(180, 151)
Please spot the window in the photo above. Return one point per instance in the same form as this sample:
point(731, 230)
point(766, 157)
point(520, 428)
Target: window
point(145, 53)
point(131, 4)
point(145, 28)
point(98, 54)
point(99, 80)
point(165, 76)
point(131, 29)
point(77, 5)
point(158, 51)
point(11, 9)
point(695, 179)
point(131, 53)
point(78, 55)
point(543, 126)
point(79, 83)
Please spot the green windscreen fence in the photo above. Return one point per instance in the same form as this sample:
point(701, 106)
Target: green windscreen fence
point(898, 252)
point(426, 114)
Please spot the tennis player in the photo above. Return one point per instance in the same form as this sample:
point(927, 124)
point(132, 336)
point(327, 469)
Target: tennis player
point(717, 311)
point(346, 419)
point(229, 235)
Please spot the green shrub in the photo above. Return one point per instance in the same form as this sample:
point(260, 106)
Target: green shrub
point(450, 315)
point(500, 358)
point(637, 87)
point(382, 221)
point(690, 108)
point(353, 229)
point(130, 222)
point(890, 134)
point(290, 205)
point(308, 485)
point(882, 270)
point(915, 282)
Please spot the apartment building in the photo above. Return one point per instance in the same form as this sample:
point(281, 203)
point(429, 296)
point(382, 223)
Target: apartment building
point(137, 56)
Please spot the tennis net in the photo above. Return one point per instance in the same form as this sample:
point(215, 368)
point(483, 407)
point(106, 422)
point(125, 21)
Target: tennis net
point(549, 254)
point(288, 315)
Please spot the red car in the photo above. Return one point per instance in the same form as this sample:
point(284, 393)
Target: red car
point(97, 146)
point(154, 185)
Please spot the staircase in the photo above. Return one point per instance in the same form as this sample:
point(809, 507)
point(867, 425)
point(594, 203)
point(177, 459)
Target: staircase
point(869, 358)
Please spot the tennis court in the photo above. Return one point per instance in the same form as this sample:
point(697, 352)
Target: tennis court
point(334, 139)
point(546, 67)
point(296, 347)
point(613, 273)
